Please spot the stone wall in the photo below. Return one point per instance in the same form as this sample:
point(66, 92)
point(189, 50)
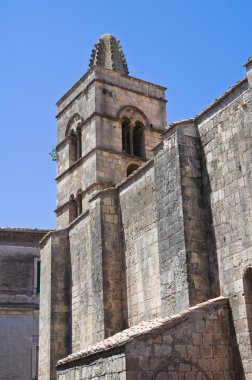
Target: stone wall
point(107, 366)
point(88, 139)
point(80, 177)
point(170, 220)
point(96, 272)
point(140, 246)
point(183, 254)
point(54, 327)
point(112, 167)
point(226, 137)
point(84, 313)
point(17, 269)
point(195, 344)
point(19, 344)
point(80, 99)
point(111, 262)
point(45, 314)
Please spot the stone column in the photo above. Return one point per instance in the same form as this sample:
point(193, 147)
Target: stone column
point(131, 140)
point(78, 138)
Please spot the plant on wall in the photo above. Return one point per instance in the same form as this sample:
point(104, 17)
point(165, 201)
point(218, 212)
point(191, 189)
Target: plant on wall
point(53, 154)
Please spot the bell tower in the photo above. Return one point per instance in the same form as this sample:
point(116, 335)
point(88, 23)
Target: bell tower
point(108, 123)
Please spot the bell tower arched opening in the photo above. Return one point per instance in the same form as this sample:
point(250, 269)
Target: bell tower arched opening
point(126, 145)
point(138, 140)
point(134, 124)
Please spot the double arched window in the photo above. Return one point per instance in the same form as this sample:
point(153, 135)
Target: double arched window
point(75, 150)
point(133, 123)
point(75, 206)
point(73, 132)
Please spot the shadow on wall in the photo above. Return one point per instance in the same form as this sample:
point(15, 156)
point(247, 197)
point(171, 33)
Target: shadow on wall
point(247, 284)
point(238, 367)
point(125, 323)
point(210, 233)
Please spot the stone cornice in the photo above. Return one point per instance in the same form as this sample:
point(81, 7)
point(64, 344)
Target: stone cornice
point(124, 182)
point(84, 91)
point(135, 174)
point(76, 221)
point(105, 116)
point(98, 148)
point(103, 192)
point(85, 122)
point(63, 231)
point(22, 234)
point(18, 309)
point(84, 192)
point(95, 68)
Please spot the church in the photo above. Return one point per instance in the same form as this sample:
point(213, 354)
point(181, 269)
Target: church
point(148, 274)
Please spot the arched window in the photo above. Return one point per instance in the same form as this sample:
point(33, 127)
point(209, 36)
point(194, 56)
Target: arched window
point(131, 168)
point(138, 140)
point(73, 209)
point(126, 131)
point(134, 123)
point(247, 283)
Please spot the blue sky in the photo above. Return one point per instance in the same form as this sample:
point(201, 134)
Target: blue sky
point(195, 48)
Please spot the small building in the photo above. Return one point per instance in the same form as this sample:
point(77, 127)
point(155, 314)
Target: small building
point(19, 302)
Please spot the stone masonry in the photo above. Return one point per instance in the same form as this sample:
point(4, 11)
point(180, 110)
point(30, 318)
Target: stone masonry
point(196, 344)
point(149, 273)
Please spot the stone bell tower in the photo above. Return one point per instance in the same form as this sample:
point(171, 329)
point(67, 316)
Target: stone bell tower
point(108, 124)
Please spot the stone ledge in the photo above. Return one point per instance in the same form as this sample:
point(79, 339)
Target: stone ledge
point(93, 151)
point(95, 69)
point(122, 338)
point(22, 234)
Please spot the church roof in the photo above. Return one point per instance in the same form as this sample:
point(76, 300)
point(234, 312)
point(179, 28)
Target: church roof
point(108, 53)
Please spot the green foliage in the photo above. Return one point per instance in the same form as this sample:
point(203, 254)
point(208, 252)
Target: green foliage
point(53, 154)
